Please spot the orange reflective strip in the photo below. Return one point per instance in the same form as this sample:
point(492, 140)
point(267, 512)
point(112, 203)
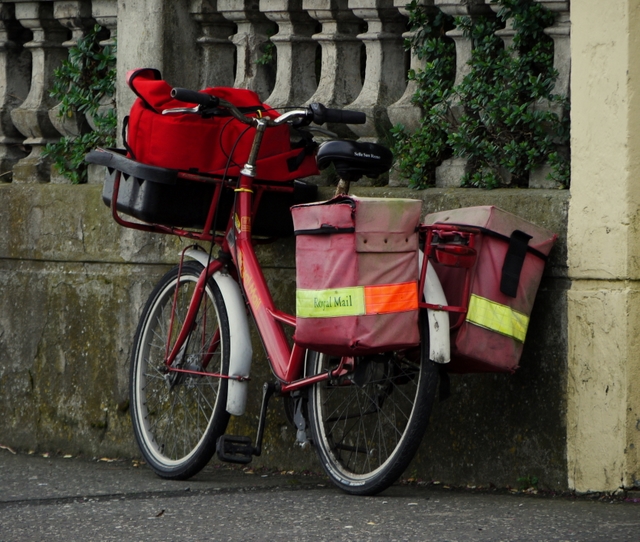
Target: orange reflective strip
point(384, 298)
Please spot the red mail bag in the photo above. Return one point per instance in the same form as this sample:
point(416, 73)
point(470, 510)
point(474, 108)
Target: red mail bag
point(511, 255)
point(356, 275)
point(219, 144)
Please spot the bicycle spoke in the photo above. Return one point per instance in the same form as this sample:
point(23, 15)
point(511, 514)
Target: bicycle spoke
point(178, 412)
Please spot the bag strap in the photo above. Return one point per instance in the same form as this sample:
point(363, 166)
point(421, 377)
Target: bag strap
point(496, 235)
point(513, 262)
point(325, 229)
point(125, 125)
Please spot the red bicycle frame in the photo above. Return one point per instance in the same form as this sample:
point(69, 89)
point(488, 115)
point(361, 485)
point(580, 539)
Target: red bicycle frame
point(286, 361)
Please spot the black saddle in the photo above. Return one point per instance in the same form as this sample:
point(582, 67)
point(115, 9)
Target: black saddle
point(354, 159)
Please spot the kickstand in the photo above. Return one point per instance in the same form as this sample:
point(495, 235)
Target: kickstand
point(268, 390)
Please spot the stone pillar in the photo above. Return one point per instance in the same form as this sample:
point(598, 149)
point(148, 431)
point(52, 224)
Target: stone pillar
point(15, 74)
point(386, 71)
point(560, 32)
point(603, 400)
point(32, 117)
point(218, 65)
point(451, 171)
point(340, 80)
point(157, 34)
point(296, 68)
point(253, 34)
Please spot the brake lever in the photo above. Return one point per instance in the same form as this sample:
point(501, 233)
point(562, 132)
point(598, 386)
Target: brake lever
point(195, 109)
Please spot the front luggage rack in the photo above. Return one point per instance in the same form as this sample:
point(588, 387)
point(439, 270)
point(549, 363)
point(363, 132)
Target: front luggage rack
point(191, 204)
point(163, 200)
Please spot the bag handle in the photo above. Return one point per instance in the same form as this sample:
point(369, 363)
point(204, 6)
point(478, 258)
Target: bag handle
point(145, 73)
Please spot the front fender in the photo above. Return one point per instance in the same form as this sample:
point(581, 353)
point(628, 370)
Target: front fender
point(240, 350)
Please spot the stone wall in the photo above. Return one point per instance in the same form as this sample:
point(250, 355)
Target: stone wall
point(72, 284)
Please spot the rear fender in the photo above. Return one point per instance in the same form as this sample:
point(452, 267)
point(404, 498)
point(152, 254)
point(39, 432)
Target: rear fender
point(439, 343)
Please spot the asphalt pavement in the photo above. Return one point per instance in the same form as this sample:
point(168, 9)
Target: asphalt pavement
point(75, 499)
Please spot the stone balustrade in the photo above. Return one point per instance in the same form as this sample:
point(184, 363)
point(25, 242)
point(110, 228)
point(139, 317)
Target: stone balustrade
point(344, 53)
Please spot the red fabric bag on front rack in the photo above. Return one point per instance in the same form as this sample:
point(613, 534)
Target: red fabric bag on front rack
point(511, 255)
point(216, 145)
point(356, 275)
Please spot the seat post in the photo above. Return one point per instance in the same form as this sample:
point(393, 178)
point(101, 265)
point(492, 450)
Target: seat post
point(342, 188)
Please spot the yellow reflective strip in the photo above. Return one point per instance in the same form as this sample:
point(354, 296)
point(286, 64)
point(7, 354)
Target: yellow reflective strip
point(497, 317)
point(330, 303)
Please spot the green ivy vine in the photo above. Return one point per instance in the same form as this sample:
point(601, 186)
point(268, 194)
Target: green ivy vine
point(502, 117)
point(85, 84)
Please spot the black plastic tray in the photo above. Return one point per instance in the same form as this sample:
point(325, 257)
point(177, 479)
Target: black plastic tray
point(159, 196)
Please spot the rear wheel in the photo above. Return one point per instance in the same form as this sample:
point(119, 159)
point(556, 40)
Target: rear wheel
point(178, 417)
point(367, 425)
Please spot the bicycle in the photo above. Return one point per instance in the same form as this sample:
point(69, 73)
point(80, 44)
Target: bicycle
point(191, 356)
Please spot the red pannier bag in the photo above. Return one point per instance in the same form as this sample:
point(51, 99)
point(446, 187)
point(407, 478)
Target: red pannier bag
point(216, 145)
point(356, 275)
point(511, 255)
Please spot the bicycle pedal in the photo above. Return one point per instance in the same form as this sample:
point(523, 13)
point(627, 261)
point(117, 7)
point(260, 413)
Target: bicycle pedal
point(235, 449)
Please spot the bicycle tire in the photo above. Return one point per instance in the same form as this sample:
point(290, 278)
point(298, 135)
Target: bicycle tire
point(367, 425)
point(178, 417)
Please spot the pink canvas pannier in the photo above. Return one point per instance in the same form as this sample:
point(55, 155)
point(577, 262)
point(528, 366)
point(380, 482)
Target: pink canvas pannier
point(356, 275)
point(511, 255)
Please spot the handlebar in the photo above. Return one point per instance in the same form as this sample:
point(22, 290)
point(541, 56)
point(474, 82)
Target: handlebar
point(193, 97)
point(315, 112)
point(322, 114)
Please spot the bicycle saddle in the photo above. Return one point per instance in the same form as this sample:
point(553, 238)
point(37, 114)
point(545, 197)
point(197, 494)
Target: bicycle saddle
point(353, 159)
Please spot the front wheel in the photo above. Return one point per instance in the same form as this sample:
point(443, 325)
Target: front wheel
point(367, 424)
point(178, 416)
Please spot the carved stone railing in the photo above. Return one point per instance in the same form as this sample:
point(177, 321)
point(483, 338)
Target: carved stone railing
point(15, 75)
point(344, 53)
point(31, 118)
point(560, 32)
point(77, 17)
point(451, 171)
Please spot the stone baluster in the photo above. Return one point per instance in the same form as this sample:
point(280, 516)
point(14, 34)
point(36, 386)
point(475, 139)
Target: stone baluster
point(15, 74)
point(451, 171)
point(296, 52)
point(32, 117)
point(385, 74)
point(76, 16)
point(218, 53)
point(508, 32)
point(340, 81)
point(105, 12)
point(560, 32)
point(404, 111)
point(250, 39)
